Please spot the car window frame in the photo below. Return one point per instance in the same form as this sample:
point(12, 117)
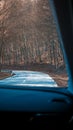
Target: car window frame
point(63, 15)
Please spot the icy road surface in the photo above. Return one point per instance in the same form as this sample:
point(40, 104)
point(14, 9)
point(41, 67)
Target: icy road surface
point(29, 79)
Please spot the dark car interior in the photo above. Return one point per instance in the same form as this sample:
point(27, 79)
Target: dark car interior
point(44, 108)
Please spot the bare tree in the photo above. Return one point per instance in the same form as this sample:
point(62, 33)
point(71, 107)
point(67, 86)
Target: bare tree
point(6, 27)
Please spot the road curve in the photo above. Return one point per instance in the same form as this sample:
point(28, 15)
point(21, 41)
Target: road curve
point(29, 79)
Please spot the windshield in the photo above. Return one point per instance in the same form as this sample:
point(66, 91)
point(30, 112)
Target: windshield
point(30, 49)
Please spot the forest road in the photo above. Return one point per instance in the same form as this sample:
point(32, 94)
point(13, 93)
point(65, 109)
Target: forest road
point(29, 79)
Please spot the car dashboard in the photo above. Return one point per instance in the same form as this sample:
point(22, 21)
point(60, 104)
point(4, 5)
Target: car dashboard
point(37, 108)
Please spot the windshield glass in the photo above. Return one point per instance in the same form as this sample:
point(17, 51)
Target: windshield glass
point(30, 51)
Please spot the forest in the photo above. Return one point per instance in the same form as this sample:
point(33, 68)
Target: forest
point(28, 37)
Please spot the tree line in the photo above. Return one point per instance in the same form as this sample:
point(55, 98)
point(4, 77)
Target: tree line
point(28, 34)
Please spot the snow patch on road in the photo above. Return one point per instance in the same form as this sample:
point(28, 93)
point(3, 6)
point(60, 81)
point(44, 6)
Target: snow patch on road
point(29, 78)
